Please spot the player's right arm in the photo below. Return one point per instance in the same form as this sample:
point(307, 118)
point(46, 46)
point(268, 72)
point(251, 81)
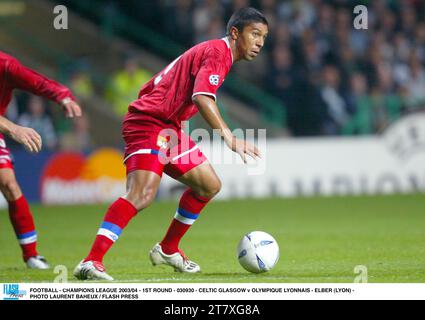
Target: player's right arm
point(24, 78)
point(23, 135)
point(210, 112)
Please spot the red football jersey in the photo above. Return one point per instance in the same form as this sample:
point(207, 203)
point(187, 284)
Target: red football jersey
point(14, 75)
point(167, 97)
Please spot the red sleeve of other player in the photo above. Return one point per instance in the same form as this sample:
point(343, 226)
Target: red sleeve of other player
point(211, 73)
point(24, 78)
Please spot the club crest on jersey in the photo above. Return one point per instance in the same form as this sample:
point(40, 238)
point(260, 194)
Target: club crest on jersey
point(214, 79)
point(162, 142)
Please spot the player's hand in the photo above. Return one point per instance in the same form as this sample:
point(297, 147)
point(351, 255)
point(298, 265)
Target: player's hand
point(71, 108)
point(28, 137)
point(244, 148)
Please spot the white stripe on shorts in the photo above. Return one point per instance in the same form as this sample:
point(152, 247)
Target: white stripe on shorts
point(185, 153)
point(141, 151)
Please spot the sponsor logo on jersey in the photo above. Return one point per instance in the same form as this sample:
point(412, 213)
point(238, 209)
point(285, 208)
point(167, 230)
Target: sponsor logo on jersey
point(162, 142)
point(214, 79)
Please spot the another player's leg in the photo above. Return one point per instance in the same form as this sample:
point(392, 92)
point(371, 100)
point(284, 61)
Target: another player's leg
point(203, 185)
point(21, 218)
point(142, 187)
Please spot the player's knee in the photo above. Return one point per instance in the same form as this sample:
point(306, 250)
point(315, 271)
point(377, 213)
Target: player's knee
point(216, 187)
point(146, 199)
point(211, 189)
point(142, 199)
point(10, 189)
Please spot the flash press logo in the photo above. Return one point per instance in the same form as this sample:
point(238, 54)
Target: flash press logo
point(12, 292)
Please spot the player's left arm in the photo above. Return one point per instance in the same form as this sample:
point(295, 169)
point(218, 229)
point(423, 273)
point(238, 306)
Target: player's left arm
point(29, 80)
point(28, 137)
point(210, 112)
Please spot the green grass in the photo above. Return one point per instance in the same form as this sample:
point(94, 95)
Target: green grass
point(321, 240)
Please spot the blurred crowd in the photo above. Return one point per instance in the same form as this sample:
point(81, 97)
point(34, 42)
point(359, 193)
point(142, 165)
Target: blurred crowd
point(47, 118)
point(331, 78)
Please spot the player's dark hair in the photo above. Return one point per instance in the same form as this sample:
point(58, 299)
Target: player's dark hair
point(245, 16)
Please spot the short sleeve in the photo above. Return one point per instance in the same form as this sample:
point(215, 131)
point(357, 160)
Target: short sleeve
point(211, 73)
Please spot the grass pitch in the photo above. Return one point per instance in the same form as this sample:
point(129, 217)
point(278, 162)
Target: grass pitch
point(321, 240)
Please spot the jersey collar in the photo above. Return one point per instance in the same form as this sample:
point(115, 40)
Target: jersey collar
point(225, 39)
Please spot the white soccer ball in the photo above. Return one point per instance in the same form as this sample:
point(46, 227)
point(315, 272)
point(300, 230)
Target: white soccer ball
point(258, 252)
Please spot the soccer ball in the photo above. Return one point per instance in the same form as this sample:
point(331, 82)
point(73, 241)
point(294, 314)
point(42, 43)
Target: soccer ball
point(258, 252)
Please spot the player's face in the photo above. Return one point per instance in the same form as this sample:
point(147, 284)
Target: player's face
point(251, 40)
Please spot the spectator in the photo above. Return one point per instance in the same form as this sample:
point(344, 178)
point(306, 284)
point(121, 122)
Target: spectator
point(35, 117)
point(359, 106)
point(12, 112)
point(281, 74)
point(408, 21)
point(268, 8)
point(312, 60)
point(234, 6)
point(420, 42)
point(81, 84)
point(300, 15)
point(388, 24)
point(415, 86)
point(79, 138)
point(281, 35)
point(325, 28)
point(335, 104)
point(126, 85)
point(178, 20)
point(386, 103)
point(206, 16)
point(215, 30)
